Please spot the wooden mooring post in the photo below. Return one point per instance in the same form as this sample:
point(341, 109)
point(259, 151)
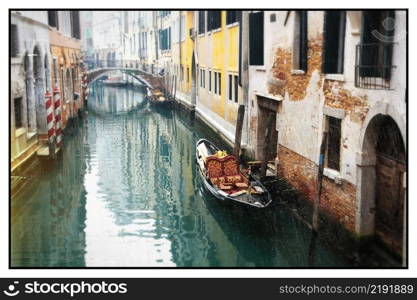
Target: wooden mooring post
point(316, 209)
point(238, 133)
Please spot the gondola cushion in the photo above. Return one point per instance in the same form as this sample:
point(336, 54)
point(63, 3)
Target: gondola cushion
point(230, 166)
point(214, 167)
point(217, 180)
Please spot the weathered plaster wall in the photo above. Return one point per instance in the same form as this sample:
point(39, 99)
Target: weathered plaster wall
point(308, 98)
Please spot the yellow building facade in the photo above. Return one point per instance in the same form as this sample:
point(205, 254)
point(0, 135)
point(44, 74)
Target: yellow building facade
point(205, 66)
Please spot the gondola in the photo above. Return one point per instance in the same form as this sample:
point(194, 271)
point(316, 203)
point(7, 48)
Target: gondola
point(222, 177)
point(156, 98)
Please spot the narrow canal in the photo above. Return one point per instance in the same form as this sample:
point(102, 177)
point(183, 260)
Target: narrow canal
point(125, 193)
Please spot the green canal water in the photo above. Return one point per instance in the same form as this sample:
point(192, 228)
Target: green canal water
point(125, 193)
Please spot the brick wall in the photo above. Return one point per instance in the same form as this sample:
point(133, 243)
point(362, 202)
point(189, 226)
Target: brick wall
point(295, 85)
point(337, 200)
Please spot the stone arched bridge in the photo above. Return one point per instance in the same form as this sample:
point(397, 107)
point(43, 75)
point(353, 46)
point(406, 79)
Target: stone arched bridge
point(140, 72)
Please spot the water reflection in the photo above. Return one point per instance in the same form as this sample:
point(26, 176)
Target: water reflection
point(125, 193)
point(48, 221)
point(112, 100)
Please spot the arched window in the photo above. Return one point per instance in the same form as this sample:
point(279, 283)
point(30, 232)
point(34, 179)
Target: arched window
point(29, 106)
point(55, 77)
point(68, 85)
point(74, 72)
point(37, 63)
point(39, 88)
point(47, 73)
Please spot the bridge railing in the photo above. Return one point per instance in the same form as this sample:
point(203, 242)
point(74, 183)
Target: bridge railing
point(123, 64)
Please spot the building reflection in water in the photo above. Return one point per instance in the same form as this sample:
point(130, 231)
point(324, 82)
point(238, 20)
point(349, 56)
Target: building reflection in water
point(48, 220)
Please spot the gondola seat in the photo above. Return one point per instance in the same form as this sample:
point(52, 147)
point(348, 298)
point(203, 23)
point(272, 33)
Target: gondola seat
point(224, 172)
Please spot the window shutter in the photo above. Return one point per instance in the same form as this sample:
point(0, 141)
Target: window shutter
point(333, 42)
point(256, 38)
point(52, 18)
point(324, 65)
point(201, 22)
point(217, 19)
point(230, 87)
point(303, 40)
point(169, 38)
point(14, 50)
point(388, 47)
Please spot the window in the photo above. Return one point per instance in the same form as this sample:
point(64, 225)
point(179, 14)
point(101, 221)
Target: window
point(165, 39)
point(215, 82)
point(63, 92)
point(214, 20)
point(14, 47)
point(164, 13)
point(300, 41)
point(55, 72)
point(140, 46)
point(203, 79)
point(236, 88)
point(334, 41)
point(230, 87)
point(18, 118)
point(75, 24)
point(333, 143)
point(233, 16)
point(53, 18)
point(233, 88)
point(201, 21)
point(376, 44)
point(209, 81)
point(142, 41)
point(75, 80)
point(188, 74)
point(256, 39)
point(182, 73)
point(220, 83)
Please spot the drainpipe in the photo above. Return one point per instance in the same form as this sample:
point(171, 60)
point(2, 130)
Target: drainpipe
point(244, 71)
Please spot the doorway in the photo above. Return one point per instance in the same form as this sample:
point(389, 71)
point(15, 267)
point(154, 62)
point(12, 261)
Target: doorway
point(389, 185)
point(267, 134)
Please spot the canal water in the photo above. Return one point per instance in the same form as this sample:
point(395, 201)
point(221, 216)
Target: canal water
point(125, 193)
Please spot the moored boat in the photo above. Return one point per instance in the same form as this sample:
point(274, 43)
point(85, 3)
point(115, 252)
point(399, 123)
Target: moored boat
point(115, 81)
point(223, 178)
point(157, 98)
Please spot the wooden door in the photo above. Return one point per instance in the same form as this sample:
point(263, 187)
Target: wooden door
point(389, 217)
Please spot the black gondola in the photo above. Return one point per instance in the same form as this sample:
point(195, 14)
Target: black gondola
point(249, 192)
point(157, 98)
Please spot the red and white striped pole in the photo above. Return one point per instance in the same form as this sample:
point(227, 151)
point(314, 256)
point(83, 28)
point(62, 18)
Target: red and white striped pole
point(84, 85)
point(57, 104)
point(49, 117)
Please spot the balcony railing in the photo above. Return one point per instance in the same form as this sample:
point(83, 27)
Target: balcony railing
point(373, 68)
